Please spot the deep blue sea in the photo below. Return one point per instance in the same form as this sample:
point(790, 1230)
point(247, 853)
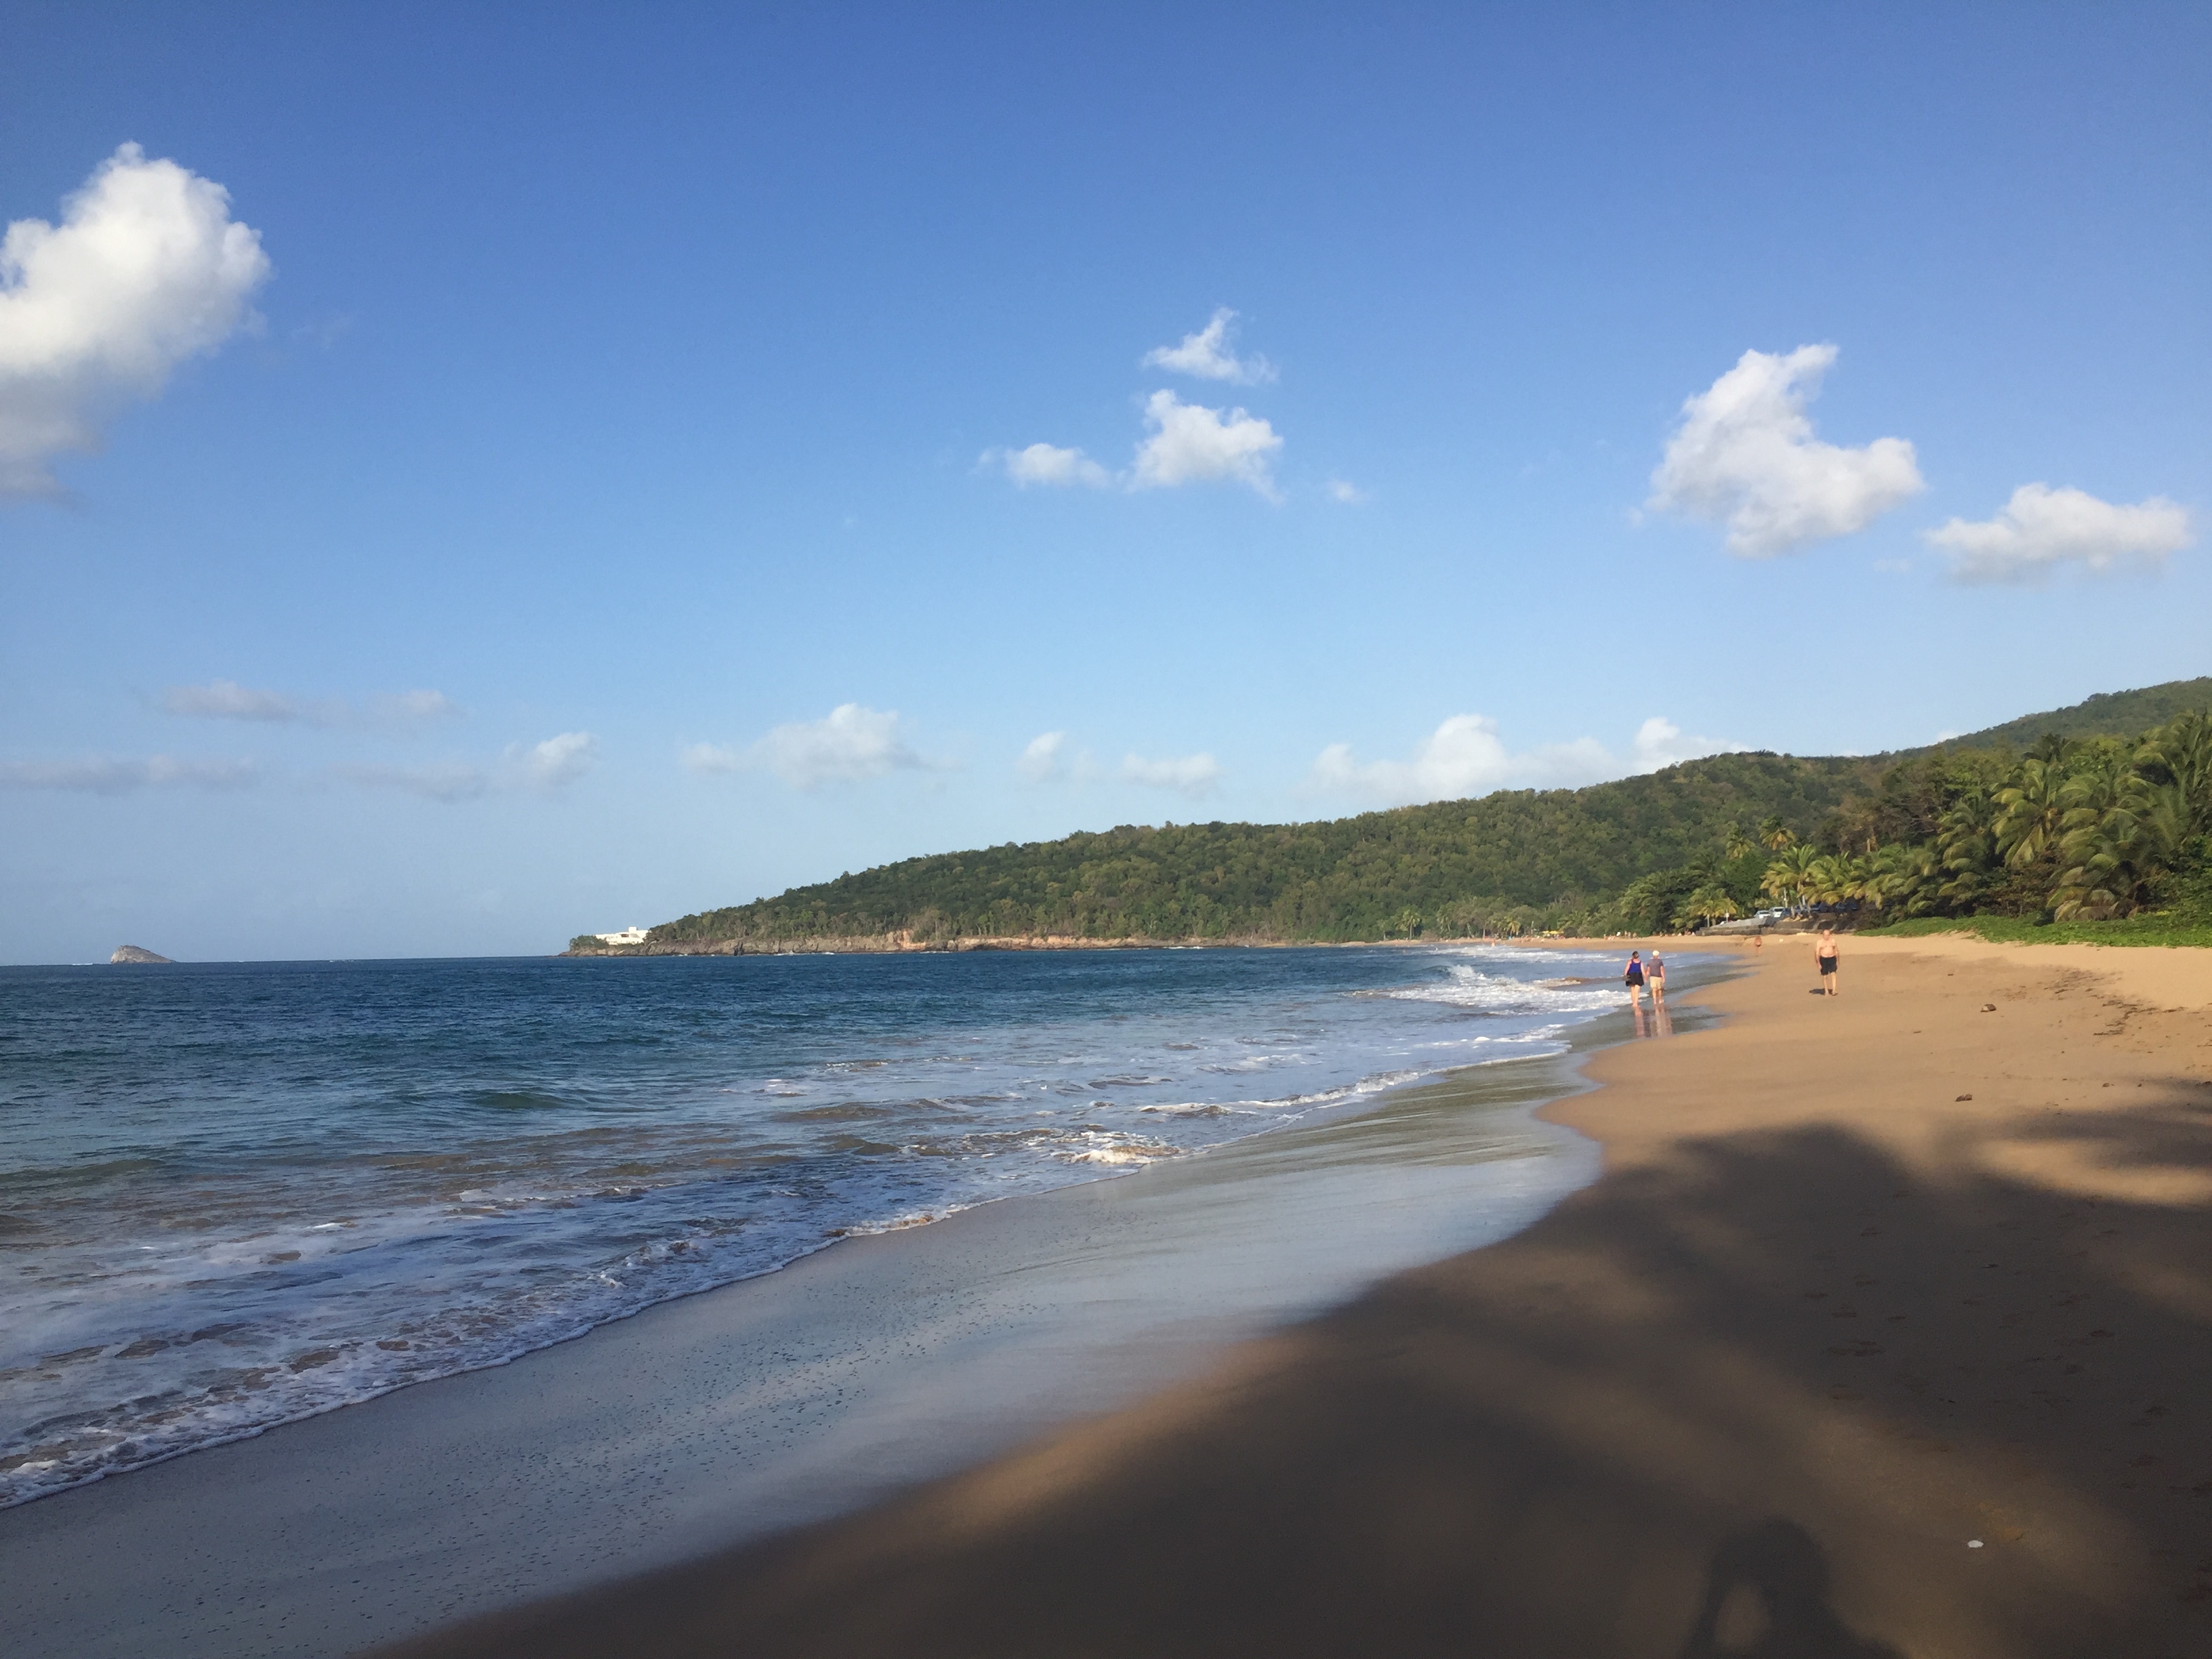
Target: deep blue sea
point(235, 1195)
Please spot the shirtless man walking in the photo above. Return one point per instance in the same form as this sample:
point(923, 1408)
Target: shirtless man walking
point(1824, 953)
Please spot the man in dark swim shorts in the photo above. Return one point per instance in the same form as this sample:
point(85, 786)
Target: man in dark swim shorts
point(1824, 954)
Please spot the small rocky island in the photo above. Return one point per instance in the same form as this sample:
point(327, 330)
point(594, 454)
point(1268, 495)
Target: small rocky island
point(135, 953)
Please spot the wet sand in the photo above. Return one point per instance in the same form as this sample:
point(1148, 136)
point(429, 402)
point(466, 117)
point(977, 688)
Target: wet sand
point(1885, 1333)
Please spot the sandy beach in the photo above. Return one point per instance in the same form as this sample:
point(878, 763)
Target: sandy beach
point(1883, 1332)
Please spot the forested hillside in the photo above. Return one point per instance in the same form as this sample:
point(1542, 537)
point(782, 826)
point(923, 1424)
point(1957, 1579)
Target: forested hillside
point(2089, 826)
point(1454, 866)
point(2107, 714)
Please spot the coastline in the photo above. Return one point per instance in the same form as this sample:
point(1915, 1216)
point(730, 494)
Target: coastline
point(1878, 1336)
point(837, 1381)
point(906, 945)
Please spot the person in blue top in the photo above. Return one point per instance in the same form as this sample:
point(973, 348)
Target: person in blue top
point(1634, 978)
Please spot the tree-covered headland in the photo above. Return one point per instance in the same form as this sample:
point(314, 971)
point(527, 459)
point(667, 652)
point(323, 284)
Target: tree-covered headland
point(2106, 833)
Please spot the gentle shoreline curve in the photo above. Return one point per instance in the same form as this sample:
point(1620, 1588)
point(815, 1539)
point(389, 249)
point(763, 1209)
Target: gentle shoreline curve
point(1881, 1335)
point(908, 944)
point(847, 1376)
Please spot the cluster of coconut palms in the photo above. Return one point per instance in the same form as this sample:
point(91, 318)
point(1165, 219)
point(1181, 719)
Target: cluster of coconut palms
point(2086, 829)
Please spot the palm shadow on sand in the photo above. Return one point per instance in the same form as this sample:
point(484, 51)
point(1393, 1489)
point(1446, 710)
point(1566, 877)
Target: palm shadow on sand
point(1578, 1443)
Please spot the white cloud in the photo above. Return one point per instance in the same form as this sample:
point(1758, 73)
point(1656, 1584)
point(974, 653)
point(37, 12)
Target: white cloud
point(558, 760)
point(146, 270)
point(449, 780)
point(1186, 774)
point(402, 707)
point(117, 777)
point(1043, 464)
point(1347, 495)
point(552, 764)
point(851, 745)
point(714, 757)
point(2041, 528)
point(1040, 758)
point(226, 700)
point(1205, 354)
point(1466, 756)
point(1193, 444)
point(1745, 452)
point(1660, 742)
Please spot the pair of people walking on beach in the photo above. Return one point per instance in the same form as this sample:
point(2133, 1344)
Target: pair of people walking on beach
point(1638, 975)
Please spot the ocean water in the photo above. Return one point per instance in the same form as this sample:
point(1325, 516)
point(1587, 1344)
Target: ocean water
point(232, 1195)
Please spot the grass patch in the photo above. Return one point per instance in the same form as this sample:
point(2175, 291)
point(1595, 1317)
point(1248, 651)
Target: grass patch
point(2157, 927)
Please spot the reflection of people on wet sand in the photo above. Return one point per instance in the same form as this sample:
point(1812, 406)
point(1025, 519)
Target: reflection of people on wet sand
point(1633, 979)
point(1663, 1023)
point(1824, 954)
point(1769, 1587)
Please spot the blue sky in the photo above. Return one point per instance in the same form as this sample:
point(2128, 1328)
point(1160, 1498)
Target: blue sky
point(585, 470)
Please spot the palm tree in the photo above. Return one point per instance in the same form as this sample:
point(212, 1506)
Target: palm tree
point(1913, 878)
point(1774, 834)
point(2182, 749)
point(1966, 844)
point(1825, 878)
point(1790, 876)
point(1710, 904)
point(2031, 813)
point(1736, 843)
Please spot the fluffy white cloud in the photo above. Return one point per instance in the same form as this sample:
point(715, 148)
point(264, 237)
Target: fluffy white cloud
point(1043, 464)
point(1194, 444)
point(117, 777)
point(226, 700)
point(1744, 451)
point(1186, 774)
point(1466, 756)
point(2041, 528)
point(1346, 494)
point(851, 745)
point(558, 760)
point(1040, 757)
point(146, 268)
point(1206, 355)
point(1660, 742)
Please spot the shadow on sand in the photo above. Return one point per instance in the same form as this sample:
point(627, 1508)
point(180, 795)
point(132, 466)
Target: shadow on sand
point(1770, 1583)
point(1575, 1443)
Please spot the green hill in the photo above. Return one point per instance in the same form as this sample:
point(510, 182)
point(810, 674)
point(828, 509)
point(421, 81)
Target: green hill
point(1511, 858)
point(2107, 714)
point(1636, 854)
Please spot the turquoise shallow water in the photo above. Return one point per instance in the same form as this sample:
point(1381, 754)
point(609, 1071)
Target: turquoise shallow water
point(234, 1195)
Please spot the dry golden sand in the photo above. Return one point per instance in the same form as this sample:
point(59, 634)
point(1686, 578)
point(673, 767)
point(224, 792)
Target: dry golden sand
point(1867, 1278)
